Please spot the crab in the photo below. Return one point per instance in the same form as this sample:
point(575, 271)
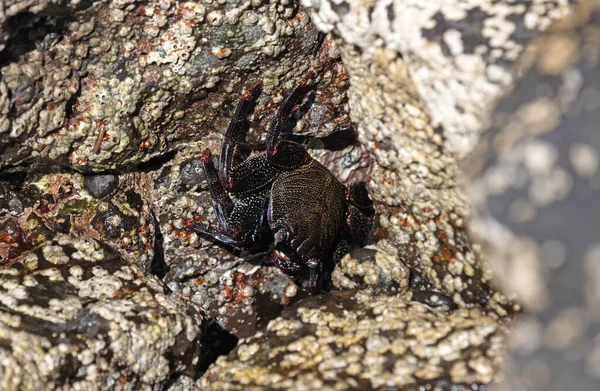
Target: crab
point(307, 215)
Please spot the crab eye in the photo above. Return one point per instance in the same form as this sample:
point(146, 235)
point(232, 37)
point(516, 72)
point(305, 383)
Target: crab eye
point(281, 236)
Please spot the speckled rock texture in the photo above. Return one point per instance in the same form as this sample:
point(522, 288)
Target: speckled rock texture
point(424, 77)
point(116, 210)
point(460, 55)
point(371, 267)
point(99, 85)
point(76, 315)
point(536, 192)
point(357, 341)
point(105, 107)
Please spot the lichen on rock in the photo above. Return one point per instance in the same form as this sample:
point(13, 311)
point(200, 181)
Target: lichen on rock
point(88, 313)
point(106, 85)
point(356, 340)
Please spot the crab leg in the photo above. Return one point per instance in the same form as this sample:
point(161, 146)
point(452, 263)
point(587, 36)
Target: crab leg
point(221, 200)
point(282, 115)
point(315, 275)
point(239, 222)
point(236, 133)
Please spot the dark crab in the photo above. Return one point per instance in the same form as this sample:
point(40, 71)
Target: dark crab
point(284, 193)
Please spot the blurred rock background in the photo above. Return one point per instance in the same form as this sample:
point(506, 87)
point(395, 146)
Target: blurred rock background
point(471, 119)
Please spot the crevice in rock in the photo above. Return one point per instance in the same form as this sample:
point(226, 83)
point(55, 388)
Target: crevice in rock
point(217, 342)
point(155, 163)
point(158, 266)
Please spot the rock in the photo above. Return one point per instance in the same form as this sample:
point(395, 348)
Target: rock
point(535, 185)
point(139, 89)
point(100, 185)
point(75, 315)
point(19, 15)
point(356, 340)
point(349, 164)
point(107, 85)
point(371, 267)
point(422, 82)
point(460, 60)
point(55, 203)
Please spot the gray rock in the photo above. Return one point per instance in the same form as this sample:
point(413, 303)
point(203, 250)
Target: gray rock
point(100, 185)
point(358, 341)
point(535, 186)
point(75, 315)
point(461, 58)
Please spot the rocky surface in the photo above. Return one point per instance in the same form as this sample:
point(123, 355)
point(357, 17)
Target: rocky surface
point(105, 107)
point(371, 267)
point(536, 191)
point(38, 207)
point(424, 78)
point(358, 341)
point(76, 315)
point(459, 55)
point(100, 85)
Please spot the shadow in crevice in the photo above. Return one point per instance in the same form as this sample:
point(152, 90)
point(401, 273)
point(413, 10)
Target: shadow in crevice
point(28, 31)
point(154, 163)
point(217, 342)
point(158, 266)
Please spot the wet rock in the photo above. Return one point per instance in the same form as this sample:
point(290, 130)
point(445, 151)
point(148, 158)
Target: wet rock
point(107, 85)
point(76, 315)
point(371, 267)
point(535, 186)
point(100, 185)
point(423, 79)
point(434, 299)
point(50, 204)
point(350, 164)
point(354, 340)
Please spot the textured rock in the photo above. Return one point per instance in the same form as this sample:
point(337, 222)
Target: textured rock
point(460, 54)
point(75, 315)
point(423, 81)
point(16, 15)
point(108, 84)
point(535, 186)
point(35, 209)
point(371, 267)
point(357, 341)
point(100, 185)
